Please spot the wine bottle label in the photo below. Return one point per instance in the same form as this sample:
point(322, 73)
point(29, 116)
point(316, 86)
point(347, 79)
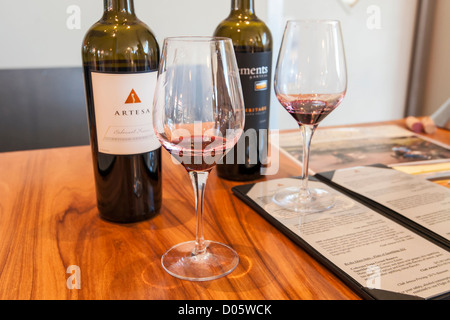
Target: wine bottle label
point(255, 71)
point(123, 105)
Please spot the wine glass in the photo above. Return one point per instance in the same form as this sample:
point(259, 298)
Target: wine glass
point(310, 82)
point(198, 117)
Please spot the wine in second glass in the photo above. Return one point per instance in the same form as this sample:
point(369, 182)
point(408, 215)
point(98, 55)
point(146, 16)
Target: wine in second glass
point(310, 82)
point(310, 109)
point(198, 117)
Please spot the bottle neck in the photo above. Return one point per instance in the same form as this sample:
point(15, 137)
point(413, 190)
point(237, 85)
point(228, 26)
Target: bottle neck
point(118, 9)
point(242, 7)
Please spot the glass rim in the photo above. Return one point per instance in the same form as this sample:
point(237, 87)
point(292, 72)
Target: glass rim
point(196, 39)
point(308, 21)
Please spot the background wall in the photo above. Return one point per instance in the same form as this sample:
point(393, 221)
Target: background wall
point(437, 84)
point(47, 33)
point(378, 37)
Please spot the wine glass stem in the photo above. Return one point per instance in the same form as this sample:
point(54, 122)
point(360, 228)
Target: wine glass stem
point(199, 183)
point(307, 134)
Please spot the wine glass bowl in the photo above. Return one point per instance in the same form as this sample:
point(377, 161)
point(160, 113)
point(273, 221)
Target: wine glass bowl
point(310, 82)
point(198, 117)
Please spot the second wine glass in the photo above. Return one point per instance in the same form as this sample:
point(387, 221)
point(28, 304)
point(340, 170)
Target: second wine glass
point(310, 82)
point(198, 116)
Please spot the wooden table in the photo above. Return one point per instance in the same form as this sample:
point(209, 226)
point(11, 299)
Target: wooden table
point(49, 222)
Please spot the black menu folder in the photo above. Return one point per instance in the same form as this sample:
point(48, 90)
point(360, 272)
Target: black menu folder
point(376, 251)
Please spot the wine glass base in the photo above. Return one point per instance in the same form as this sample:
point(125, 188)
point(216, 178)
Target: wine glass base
point(319, 200)
point(216, 261)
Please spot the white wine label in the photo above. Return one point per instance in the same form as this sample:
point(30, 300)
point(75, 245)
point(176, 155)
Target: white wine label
point(123, 106)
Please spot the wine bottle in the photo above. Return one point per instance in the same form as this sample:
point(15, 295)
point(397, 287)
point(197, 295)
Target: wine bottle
point(252, 42)
point(120, 57)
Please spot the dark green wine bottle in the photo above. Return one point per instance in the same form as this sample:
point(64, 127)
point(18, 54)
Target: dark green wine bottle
point(252, 42)
point(120, 57)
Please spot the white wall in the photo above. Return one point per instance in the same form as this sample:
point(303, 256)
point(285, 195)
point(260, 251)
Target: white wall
point(378, 55)
point(35, 34)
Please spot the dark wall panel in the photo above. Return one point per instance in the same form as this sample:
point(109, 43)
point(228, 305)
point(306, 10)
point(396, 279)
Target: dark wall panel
point(42, 108)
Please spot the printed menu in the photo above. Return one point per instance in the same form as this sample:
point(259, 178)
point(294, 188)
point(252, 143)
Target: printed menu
point(386, 237)
point(419, 202)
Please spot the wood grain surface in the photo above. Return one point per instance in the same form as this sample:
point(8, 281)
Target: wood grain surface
point(49, 222)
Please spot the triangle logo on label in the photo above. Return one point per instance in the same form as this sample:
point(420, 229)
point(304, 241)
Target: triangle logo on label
point(133, 97)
